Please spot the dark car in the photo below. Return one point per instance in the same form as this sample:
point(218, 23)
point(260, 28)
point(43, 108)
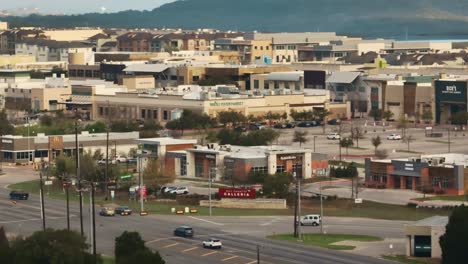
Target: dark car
point(280, 126)
point(184, 231)
point(123, 210)
point(305, 124)
point(256, 126)
point(290, 125)
point(19, 195)
point(333, 122)
point(132, 160)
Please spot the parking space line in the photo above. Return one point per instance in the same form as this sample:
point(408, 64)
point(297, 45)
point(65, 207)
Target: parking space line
point(189, 249)
point(207, 221)
point(229, 258)
point(251, 262)
point(171, 245)
point(209, 253)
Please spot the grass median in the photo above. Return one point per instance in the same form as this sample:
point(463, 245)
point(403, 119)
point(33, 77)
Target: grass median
point(326, 240)
point(333, 207)
point(459, 198)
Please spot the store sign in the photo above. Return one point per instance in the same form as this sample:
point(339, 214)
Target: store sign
point(288, 158)
point(7, 141)
point(451, 89)
point(237, 193)
point(225, 104)
point(208, 156)
point(409, 167)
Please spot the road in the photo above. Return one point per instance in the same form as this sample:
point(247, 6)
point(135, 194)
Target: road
point(240, 235)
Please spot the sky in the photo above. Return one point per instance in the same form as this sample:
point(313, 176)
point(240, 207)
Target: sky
point(80, 6)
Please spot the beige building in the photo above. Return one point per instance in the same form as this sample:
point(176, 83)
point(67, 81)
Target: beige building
point(72, 34)
point(160, 107)
point(3, 25)
point(11, 60)
point(422, 237)
point(293, 80)
point(140, 82)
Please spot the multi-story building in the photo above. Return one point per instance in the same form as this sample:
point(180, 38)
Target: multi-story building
point(23, 93)
point(52, 50)
point(187, 41)
point(250, 51)
point(135, 41)
point(292, 80)
point(9, 38)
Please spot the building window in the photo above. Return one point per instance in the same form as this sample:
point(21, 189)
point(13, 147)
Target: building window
point(199, 169)
point(256, 84)
point(267, 47)
point(286, 85)
point(183, 166)
point(155, 114)
point(297, 86)
point(101, 111)
point(165, 115)
point(143, 113)
point(280, 168)
point(255, 47)
point(195, 78)
point(276, 83)
point(436, 182)
point(261, 47)
point(375, 178)
point(384, 179)
point(445, 182)
point(259, 169)
point(266, 85)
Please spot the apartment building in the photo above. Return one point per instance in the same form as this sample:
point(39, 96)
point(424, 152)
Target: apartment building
point(188, 41)
point(9, 38)
point(135, 41)
point(249, 51)
point(291, 80)
point(51, 50)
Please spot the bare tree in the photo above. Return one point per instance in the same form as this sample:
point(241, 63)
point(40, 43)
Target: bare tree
point(300, 136)
point(357, 132)
point(408, 139)
point(403, 125)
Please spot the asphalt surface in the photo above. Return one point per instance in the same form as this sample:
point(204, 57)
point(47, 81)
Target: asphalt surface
point(240, 235)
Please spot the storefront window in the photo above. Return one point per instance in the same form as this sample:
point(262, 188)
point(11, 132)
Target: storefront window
point(199, 170)
point(183, 166)
point(445, 183)
point(375, 178)
point(7, 156)
point(436, 182)
point(280, 168)
point(259, 169)
point(384, 179)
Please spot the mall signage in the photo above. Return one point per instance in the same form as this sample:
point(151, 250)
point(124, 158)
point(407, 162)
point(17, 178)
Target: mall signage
point(237, 193)
point(288, 158)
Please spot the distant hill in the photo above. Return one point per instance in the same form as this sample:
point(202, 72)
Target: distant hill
point(372, 18)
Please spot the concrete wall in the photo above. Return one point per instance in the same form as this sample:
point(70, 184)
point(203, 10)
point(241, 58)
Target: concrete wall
point(247, 203)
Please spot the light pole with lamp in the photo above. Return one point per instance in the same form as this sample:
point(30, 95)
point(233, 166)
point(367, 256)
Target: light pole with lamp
point(210, 180)
point(314, 142)
point(78, 176)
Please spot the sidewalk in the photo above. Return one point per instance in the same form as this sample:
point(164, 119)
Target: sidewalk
point(377, 248)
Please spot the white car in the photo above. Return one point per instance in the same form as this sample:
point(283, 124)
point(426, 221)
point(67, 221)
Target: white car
point(212, 243)
point(103, 161)
point(179, 190)
point(313, 220)
point(168, 189)
point(394, 137)
point(333, 136)
point(120, 159)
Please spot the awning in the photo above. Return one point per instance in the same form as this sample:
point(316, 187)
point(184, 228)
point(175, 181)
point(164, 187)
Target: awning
point(148, 68)
point(285, 76)
point(343, 77)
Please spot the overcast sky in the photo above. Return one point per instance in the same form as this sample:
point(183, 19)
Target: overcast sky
point(81, 6)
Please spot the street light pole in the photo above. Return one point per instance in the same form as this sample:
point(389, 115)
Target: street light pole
point(107, 163)
point(93, 215)
point(314, 142)
point(321, 209)
point(42, 199)
point(209, 184)
point(78, 176)
point(68, 205)
point(448, 139)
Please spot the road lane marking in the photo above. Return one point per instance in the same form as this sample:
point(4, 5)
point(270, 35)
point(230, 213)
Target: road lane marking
point(30, 220)
point(229, 258)
point(207, 221)
point(171, 245)
point(251, 262)
point(189, 249)
point(209, 253)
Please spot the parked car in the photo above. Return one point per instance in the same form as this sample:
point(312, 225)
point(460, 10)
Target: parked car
point(333, 136)
point(123, 210)
point(179, 190)
point(120, 159)
point(312, 219)
point(168, 189)
point(184, 231)
point(305, 124)
point(256, 126)
point(103, 161)
point(334, 122)
point(394, 137)
point(212, 243)
point(107, 211)
point(132, 160)
point(19, 195)
point(290, 125)
point(280, 126)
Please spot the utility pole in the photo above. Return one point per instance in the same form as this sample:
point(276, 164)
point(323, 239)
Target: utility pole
point(258, 254)
point(93, 217)
point(299, 231)
point(42, 199)
point(448, 130)
point(107, 163)
point(67, 185)
point(78, 176)
point(321, 209)
point(296, 221)
point(314, 142)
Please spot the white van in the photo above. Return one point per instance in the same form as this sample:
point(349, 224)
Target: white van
point(312, 219)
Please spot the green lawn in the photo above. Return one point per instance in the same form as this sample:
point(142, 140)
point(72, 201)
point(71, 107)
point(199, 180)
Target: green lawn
point(406, 260)
point(326, 240)
point(108, 260)
point(339, 207)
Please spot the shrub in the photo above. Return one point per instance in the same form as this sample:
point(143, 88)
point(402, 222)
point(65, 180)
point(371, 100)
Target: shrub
point(191, 199)
point(412, 205)
point(381, 153)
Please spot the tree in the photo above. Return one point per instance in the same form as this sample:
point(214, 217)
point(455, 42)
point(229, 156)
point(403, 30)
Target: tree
point(277, 185)
point(302, 116)
point(252, 138)
point(376, 142)
point(130, 247)
point(46, 120)
point(53, 247)
point(346, 143)
point(97, 127)
point(408, 139)
point(322, 114)
point(427, 116)
point(454, 249)
point(231, 118)
point(5, 251)
point(64, 166)
point(6, 128)
point(357, 132)
point(270, 116)
point(300, 136)
point(124, 126)
point(88, 167)
point(387, 115)
point(403, 123)
point(376, 114)
point(154, 174)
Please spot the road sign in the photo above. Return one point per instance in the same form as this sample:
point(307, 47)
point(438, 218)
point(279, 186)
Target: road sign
point(358, 201)
point(112, 194)
point(48, 183)
point(126, 176)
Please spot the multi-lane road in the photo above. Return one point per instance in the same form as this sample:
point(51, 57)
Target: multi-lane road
point(240, 235)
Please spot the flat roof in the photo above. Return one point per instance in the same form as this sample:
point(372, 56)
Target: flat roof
point(343, 77)
point(162, 141)
point(436, 220)
point(146, 68)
